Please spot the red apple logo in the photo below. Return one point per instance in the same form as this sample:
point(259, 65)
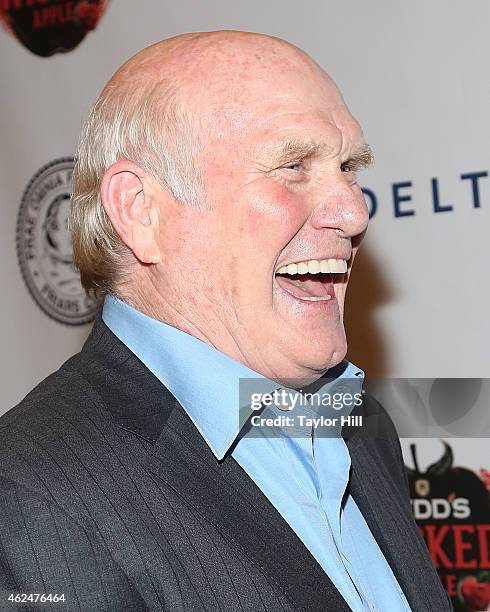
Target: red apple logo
point(474, 592)
point(88, 14)
point(54, 26)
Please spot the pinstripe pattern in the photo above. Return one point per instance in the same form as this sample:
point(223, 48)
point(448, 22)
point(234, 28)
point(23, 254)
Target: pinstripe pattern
point(109, 495)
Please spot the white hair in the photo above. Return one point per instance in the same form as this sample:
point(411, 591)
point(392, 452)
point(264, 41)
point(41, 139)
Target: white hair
point(145, 125)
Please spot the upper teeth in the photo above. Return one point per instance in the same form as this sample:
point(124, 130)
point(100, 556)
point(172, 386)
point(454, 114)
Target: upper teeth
point(314, 266)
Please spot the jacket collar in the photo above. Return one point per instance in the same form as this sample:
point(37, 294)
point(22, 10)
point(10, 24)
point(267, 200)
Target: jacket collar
point(215, 390)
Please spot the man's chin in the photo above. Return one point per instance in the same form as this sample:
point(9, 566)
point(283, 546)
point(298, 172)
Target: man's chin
point(302, 372)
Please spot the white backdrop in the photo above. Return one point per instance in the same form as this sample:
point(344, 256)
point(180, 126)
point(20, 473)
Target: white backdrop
point(415, 75)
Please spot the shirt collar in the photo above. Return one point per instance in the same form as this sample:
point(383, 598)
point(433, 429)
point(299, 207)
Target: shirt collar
point(206, 382)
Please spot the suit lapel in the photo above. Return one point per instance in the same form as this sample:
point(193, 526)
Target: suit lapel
point(229, 500)
point(381, 500)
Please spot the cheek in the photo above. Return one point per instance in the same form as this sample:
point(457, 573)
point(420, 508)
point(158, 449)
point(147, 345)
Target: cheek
point(276, 212)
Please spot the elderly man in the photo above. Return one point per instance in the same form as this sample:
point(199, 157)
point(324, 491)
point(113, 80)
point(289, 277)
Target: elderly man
point(216, 206)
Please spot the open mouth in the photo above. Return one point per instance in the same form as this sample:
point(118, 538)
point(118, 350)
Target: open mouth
point(311, 280)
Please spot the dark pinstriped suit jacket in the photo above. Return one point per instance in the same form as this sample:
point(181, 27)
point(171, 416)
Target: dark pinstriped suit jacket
point(109, 495)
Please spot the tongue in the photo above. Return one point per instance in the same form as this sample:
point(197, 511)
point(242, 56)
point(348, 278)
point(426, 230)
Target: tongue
point(306, 285)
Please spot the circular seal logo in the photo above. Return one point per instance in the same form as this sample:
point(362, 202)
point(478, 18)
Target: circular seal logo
point(44, 246)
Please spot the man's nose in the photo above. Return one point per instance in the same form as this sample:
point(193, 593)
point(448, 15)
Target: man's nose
point(344, 210)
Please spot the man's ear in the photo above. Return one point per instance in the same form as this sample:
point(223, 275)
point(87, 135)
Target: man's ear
point(128, 196)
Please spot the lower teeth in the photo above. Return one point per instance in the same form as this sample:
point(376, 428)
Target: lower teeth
point(315, 298)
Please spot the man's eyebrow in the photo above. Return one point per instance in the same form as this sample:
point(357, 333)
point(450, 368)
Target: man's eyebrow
point(362, 157)
point(293, 150)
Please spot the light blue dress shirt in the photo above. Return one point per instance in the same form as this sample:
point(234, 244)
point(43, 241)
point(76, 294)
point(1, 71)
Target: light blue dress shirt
point(304, 475)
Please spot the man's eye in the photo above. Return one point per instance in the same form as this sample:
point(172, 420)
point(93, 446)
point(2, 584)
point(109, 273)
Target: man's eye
point(293, 166)
point(350, 167)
